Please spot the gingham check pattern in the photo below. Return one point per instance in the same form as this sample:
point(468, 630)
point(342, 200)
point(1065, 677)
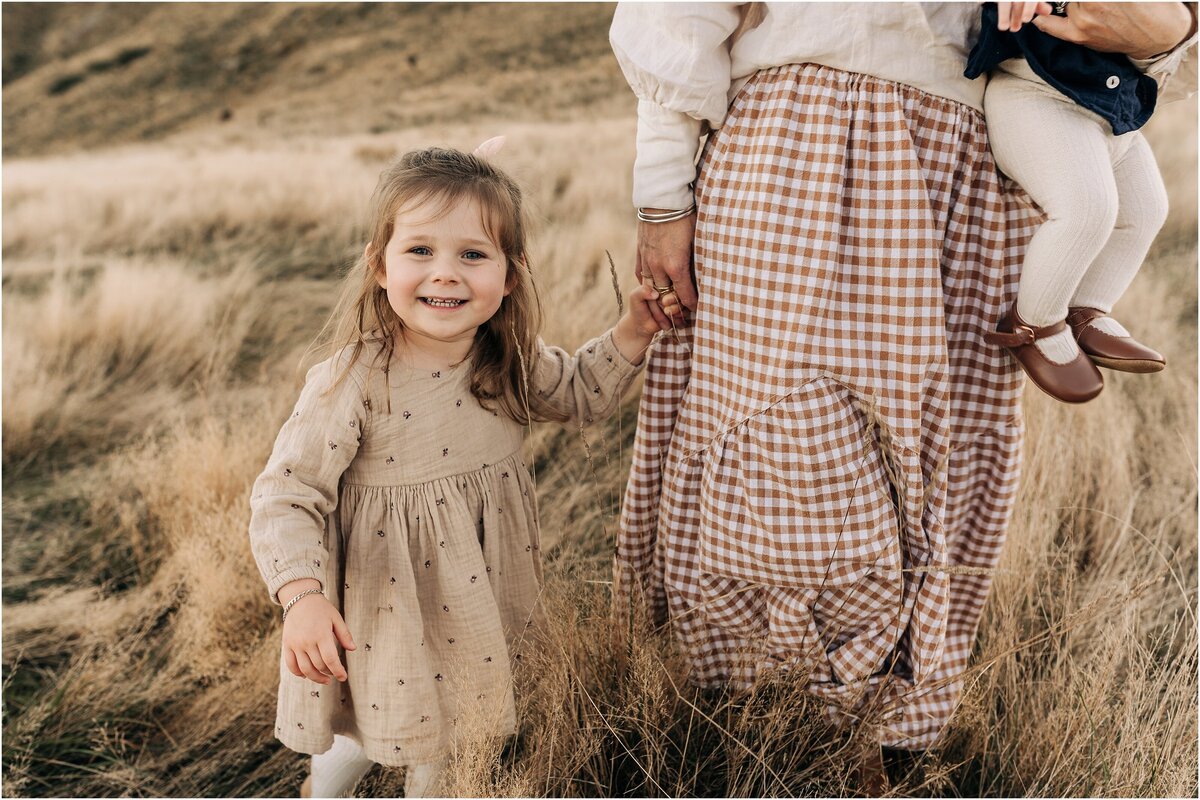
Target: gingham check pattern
point(833, 432)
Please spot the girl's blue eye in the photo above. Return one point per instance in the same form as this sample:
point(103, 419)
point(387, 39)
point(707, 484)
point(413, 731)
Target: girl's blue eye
point(473, 255)
point(420, 250)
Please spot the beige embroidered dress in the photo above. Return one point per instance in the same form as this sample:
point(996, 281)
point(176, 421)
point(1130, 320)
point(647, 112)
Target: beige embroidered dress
point(422, 527)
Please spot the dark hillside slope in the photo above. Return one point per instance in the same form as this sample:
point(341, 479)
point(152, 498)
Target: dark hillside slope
point(87, 75)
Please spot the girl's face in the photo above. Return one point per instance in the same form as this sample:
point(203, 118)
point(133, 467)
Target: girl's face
point(444, 277)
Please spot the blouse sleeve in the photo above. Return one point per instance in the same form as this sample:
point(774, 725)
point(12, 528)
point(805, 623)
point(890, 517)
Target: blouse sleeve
point(675, 57)
point(299, 487)
point(587, 386)
point(1175, 70)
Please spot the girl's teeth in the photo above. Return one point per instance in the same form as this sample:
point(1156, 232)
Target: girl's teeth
point(443, 303)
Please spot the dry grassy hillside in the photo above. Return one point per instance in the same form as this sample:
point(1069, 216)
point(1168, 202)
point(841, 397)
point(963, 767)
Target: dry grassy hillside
point(163, 277)
point(82, 75)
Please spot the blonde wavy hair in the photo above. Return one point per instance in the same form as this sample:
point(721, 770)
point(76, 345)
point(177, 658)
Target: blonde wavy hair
point(505, 347)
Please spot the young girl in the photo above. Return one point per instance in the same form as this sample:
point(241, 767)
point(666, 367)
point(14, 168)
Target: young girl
point(1063, 122)
point(395, 521)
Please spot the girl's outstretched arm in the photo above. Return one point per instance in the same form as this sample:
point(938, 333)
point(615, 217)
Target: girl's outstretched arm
point(588, 386)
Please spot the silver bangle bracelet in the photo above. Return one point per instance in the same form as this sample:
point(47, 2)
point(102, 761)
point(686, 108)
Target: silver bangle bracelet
point(665, 216)
point(292, 602)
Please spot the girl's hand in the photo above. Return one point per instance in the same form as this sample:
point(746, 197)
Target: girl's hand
point(1011, 16)
point(636, 329)
point(311, 634)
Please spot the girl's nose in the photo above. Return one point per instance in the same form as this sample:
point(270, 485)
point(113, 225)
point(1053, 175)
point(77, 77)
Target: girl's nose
point(445, 270)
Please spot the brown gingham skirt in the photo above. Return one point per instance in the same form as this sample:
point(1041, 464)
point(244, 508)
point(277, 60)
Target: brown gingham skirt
point(826, 459)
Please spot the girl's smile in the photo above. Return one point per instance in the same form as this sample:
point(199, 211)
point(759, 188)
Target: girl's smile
point(444, 278)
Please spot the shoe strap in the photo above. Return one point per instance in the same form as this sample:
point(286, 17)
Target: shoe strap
point(1082, 315)
point(1024, 334)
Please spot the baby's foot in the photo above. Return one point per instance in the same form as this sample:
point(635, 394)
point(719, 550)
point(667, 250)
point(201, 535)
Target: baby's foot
point(1108, 343)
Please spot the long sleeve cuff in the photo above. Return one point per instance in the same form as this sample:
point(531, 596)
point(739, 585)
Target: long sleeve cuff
point(667, 142)
point(1175, 70)
point(286, 576)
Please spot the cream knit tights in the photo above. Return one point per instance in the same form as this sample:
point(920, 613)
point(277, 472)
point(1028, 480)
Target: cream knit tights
point(336, 771)
point(1102, 194)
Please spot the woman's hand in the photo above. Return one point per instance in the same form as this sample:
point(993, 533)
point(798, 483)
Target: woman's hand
point(311, 633)
point(1139, 30)
point(664, 254)
point(1011, 16)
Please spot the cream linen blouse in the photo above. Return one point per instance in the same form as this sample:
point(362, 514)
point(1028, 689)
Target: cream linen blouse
point(686, 62)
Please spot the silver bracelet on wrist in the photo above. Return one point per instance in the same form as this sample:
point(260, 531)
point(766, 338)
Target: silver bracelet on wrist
point(292, 602)
point(665, 216)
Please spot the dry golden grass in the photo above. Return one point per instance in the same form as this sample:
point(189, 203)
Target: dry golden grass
point(153, 331)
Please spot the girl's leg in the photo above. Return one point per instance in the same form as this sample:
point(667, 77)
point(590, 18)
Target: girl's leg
point(338, 769)
point(423, 780)
point(1142, 212)
point(1060, 155)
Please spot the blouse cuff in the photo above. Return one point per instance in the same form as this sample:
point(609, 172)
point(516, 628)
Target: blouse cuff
point(293, 574)
point(667, 142)
point(1169, 61)
point(622, 366)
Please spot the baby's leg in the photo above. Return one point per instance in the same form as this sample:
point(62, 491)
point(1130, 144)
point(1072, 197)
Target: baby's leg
point(1059, 154)
point(338, 769)
point(1142, 212)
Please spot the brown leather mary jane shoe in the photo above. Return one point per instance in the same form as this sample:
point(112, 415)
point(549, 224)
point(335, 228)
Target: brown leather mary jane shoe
point(1122, 353)
point(1077, 381)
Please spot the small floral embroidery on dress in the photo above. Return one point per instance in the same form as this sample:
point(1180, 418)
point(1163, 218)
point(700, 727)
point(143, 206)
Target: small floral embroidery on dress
point(609, 358)
point(314, 694)
point(596, 390)
point(450, 641)
point(503, 474)
point(347, 586)
point(367, 647)
point(474, 578)
point(400, 682)
point(391, 580)
point(442, 543)
point(367, 404)
point(445, 451)
point(353, 424)
point(458, 403)
point(437, 374)
point(316, 563)
point(427, 563)
point(287, 473)
point(389, 460)
point(332, 446)
point(295, 505)
point(374, 706)
point(446, 609)
point(396, 749)
point(441, 501)
point(407, 414)
point(300, 725)
point(487, 659)
point(424, 718)
point(380, 534)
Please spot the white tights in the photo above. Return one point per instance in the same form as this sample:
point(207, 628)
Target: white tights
point(336, 771)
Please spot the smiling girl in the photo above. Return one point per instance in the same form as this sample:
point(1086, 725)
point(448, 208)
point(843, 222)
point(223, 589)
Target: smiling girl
point(395, 521)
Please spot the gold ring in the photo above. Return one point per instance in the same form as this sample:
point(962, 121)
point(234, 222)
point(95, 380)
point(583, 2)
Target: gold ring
point(663, 289)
